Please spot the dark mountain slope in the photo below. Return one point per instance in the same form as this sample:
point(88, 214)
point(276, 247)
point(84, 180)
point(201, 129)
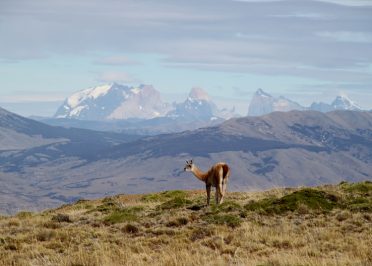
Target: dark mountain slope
point(22, 125)
point(312, 131)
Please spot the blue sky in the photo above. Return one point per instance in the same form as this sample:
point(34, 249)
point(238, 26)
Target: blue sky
point(305, 50)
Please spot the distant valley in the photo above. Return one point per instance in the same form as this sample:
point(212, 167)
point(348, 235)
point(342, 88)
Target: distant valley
point(43, 166)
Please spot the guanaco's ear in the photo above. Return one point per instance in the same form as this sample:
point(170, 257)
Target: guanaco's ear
point(191, 161)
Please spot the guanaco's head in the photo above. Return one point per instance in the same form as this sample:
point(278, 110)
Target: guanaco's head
point(188, 166)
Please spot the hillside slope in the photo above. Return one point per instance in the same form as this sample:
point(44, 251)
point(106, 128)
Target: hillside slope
point(279, 149)
point(27, 145)
point(328, 225)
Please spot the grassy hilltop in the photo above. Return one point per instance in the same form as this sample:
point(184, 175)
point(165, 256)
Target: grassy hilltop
point(327, 225)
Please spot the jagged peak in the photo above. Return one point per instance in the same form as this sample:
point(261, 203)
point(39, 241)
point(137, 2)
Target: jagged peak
point(343, 97)
point(345, 102)
point(262, 93)
point(198, 93)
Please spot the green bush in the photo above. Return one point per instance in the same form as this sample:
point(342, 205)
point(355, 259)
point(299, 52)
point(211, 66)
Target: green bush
point(130, 228)
point(359, 188)
point(223, 219)
point(178, 222)
point(163, 196)
point(61, 218)
point(362, 204)
point(123, 215)
point(107, 206)
point(24, 214)
point(311, 198)
point(227, 206)
point(175, 203)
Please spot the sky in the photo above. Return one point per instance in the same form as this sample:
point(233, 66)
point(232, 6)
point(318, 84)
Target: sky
point(303, 49)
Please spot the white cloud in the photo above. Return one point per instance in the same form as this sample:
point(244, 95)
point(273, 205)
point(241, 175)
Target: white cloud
point(304, 15)
point(117, 76)
point(347, 36)
point(257, 36)
point(117, 60)
point(258, 1)
point(350, 2)
point(26, 96)
point(338, 2)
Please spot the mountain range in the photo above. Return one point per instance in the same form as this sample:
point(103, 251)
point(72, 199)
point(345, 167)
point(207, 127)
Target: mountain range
point(139, 109)
point(263, 103)
point(136, 110)
point(43, 166)
point(118, 102)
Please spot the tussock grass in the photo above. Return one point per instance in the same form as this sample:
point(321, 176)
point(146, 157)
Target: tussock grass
point(328, 225)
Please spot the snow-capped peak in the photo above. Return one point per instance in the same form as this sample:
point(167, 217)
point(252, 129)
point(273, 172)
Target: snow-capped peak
point(198, 106)
point(113, 101)
point(197, 93)
point(100, 90)
point(135, 90)
point(75, 99)
point(263, 103)
point(342, 102)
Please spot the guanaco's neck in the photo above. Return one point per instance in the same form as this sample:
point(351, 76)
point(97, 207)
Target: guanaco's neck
point(199, 174)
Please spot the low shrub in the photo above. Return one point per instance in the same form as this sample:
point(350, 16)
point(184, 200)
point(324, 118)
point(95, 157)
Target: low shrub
point(178, 222)
point(24, 214)
point(175, 203)
point(61, 218)
point(311, 198)
point(163, 196)
point(130, 228)
point(45, 235)
point(360, 188)
point(223, 219)
point(123, 215)
point(200, 233)
point(227, 206)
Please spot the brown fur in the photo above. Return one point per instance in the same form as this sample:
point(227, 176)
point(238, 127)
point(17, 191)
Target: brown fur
point(217, 176)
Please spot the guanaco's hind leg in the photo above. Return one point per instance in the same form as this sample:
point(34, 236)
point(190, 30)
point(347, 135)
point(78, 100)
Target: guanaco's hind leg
point(216, 195)
point(208, 187)
point(224, 185)
point(219, 190)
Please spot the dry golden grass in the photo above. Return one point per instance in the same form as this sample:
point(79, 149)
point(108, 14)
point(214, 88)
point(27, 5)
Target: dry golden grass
point(174, 228)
